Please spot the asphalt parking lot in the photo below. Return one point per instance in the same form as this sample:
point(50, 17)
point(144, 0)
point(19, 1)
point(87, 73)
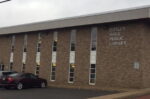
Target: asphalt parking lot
point(51, 93)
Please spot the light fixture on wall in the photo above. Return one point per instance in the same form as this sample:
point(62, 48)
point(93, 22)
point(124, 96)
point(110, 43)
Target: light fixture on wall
point(2, 1)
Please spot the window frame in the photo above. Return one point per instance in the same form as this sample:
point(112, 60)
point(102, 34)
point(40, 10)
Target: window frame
point(54, 52)
point(91, 46)
point(73, 40)
point(24, 53)
point(12, 49)
point(38, 53)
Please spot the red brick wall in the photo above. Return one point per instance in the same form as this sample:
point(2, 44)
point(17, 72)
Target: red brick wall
point(31, 52)
point(19, 42)
point(145, 55)
point(5, 42)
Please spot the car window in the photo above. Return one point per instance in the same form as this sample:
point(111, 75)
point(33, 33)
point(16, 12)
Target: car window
point(7, 73)
point(29, 76)
point(33, 76)
point(26, 76)
point(14, 74)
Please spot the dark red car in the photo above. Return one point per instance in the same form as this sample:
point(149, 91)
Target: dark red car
point(22, 80)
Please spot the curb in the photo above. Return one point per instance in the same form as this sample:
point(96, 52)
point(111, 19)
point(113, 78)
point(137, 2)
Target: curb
point(125, 95)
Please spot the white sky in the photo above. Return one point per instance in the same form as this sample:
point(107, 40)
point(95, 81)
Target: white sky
point(18, 12)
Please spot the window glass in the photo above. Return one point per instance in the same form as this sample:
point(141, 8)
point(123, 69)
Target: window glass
point(53, 73)
point(71, 74)
point(11, 66)
point(92, 76)
point(92, 69)
point(54, 54)
point(92, 65)
point(54, 48)
point(12, 52)
point(33, 76)
point(71, 79)
point(38, 54)
point(52, 77)
point(12, 48)
point(93, 38)
point(73, 40)
point(24, 54)
point(92, 81)
point(55, 42)
point(15, 74)
point(72, 56)
point(25, 50)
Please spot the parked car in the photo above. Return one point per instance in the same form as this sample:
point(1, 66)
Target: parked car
point(23, 80)
point(4, 74)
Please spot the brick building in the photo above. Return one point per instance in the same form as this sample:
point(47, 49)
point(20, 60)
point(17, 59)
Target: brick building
point(103, 50)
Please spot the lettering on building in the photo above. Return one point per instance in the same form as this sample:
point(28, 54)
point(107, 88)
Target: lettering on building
point(116, 36)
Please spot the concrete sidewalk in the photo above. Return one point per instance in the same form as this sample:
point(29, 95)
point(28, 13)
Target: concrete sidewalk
point(125, 95)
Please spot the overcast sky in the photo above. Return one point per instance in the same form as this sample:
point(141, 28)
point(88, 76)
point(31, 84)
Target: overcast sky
point(18, 12)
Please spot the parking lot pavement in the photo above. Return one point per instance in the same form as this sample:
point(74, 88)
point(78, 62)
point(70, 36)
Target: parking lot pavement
point(142, 97)
point(51, 93)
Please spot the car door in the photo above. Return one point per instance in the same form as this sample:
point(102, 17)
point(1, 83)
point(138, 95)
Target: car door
point(35, 80)
point(27, 80)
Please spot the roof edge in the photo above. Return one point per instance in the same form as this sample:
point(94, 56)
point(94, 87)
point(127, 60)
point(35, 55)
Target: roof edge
point(105, 17)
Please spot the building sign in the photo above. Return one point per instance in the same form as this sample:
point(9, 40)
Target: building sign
point(116, 36)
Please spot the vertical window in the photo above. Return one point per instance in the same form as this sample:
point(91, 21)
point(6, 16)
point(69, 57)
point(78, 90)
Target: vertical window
point(54, 54)
point(24, 56)
point(93, 39)
point(71, 76)
point(92, 70)
point(12, 53)
point(38, 54)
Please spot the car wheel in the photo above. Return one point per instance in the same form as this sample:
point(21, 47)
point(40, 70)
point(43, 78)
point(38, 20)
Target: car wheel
point(19, 86)
point(43, 85)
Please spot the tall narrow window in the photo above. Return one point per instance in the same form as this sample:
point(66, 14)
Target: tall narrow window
point(12, 53)
point(24, 56)
point(38, 54)
point(92, 70)
point(71, 76)
point(54, 54)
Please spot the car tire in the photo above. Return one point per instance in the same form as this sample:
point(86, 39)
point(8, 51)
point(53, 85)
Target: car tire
point(19, 86)
point(43, 85)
